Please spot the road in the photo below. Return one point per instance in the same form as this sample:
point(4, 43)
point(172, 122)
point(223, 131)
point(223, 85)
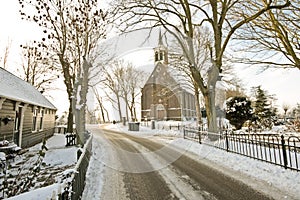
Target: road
point(142, 168)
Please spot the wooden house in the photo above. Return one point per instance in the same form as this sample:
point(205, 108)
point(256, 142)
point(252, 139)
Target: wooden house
point(164, 97)
point(26, 116)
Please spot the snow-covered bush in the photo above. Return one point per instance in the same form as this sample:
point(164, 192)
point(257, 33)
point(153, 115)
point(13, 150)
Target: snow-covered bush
point(25, 179)
point(238, 111)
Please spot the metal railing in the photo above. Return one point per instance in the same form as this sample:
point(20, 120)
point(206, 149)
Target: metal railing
point(174, 126)
point(78, 182)
point(272, 148)
point(74, 185)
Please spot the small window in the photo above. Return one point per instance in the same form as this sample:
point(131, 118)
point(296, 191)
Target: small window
point(41, 119)
point(161, 56)
point(34, 120)
point(156, 56)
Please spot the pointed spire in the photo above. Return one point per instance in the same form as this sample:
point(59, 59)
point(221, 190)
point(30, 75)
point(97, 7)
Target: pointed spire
point(160, 42)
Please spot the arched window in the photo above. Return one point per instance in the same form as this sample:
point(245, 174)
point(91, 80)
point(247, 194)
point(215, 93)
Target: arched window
point(156, 56)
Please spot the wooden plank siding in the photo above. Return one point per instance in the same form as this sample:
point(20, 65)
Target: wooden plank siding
point(6, 131)
point(29, 136)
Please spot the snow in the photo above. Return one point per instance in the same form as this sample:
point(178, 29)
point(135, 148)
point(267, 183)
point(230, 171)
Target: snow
point(38, 194)
point(258, 174)
point(61, 157)
point(15, 88)
point(57, 156)
point(95, 172)
point(284, 182)
point(2, 156)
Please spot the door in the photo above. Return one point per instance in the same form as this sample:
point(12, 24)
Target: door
point(17, 125)
point(161, 112)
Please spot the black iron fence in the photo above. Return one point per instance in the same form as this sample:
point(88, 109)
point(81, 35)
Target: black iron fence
point(272, 148)
point(162, 126)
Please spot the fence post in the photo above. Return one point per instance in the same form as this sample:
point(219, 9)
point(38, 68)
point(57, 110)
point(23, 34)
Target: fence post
point(183, 132)
point(284, 152)
point(199, 134)
point(226, 140)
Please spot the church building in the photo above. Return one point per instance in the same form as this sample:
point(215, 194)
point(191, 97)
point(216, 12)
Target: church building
point(164, 97)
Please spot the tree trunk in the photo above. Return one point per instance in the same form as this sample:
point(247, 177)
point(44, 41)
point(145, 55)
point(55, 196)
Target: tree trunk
point(126, 106)
point(70, 117)
point(119, 107)
point(107, 115)
point(131, 108)
point(197, 105)
point(82, 102)
point(209, 99)
point(102, 112)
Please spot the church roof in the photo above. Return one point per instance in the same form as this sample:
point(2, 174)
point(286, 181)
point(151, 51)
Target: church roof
point(14, 88)
point(167, 76)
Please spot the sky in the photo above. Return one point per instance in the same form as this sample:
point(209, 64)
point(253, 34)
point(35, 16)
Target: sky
point(283, 83)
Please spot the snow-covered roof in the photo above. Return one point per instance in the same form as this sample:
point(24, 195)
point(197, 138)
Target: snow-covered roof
point(173, 79)
point(14, 88)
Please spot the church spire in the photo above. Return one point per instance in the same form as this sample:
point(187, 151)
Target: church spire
point(160, 42)
point(161, 51)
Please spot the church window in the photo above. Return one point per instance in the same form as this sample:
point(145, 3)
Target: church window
point(156, 56)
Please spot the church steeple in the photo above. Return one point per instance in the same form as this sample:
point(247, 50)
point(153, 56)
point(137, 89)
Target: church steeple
point(160, 42)
point(161, 51)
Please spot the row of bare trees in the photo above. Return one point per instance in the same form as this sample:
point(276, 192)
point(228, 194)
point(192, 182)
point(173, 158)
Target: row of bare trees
point(267, 24)
point(122, 84)
point(206, 32)
point(72, 31)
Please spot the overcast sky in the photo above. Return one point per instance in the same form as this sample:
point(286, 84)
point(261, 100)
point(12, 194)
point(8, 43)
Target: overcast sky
point(284, 84)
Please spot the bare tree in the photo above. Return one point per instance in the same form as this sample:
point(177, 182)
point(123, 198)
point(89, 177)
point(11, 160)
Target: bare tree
point(202, 57)
point(180, 17)
point(37, 68)
point(135, 81)
point(112, 84)
point(124, 81)
point(103, 110)
point(6, 53)
point(72, 30)
point(273, 38)
point(285, 108)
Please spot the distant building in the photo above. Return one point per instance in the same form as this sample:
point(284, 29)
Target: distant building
point(164, 97)
point(26, 116)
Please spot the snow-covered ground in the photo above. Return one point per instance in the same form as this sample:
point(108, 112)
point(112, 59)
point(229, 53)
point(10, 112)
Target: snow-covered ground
point(256, 173)
point(58, 159)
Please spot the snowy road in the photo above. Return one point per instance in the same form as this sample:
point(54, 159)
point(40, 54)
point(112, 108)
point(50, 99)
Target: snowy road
point(141, 168)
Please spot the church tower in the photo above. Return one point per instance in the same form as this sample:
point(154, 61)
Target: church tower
point(160, 52)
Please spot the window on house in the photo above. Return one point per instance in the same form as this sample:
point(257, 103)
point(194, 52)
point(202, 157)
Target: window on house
point(17, 119)
point(34, 120)
point(41, 119)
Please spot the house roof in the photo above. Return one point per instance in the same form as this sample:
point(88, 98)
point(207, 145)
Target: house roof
point(14, 88)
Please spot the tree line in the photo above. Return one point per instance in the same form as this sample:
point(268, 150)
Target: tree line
point(209, 34)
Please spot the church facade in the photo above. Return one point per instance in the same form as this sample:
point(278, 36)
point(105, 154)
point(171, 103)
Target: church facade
point(164, 98)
